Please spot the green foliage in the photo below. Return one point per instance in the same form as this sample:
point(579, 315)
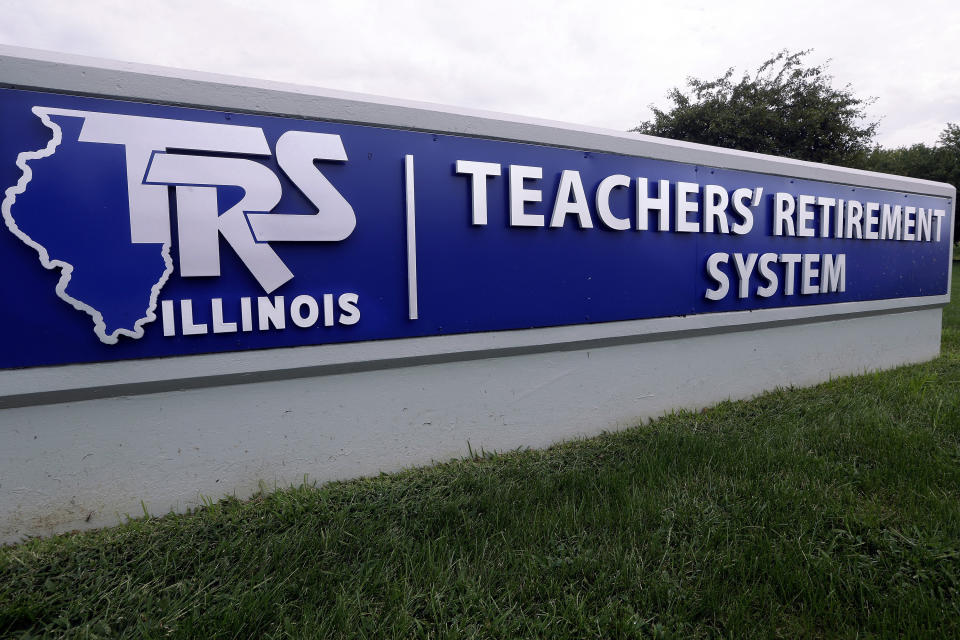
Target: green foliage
point(950, 137)
point(789, 109)
point(940, 162)
point(917, 161)
point(786, 108)
point(826, 512)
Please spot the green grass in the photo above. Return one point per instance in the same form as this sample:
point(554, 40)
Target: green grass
point(832, 511)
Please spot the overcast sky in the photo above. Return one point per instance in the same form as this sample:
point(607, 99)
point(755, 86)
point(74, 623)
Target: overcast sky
point(589, 61)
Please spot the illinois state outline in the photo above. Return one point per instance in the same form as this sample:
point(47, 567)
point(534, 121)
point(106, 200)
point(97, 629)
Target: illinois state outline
point(70, 205)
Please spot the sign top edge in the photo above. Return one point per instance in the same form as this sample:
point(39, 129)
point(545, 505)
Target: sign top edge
point(39, 69)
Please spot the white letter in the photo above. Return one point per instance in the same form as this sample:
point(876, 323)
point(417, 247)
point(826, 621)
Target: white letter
point(520, 196)
point(739, 205)
point(348, 305)
point(200, 225)
point(186, 319)
point(790, 261)
point(328, 309)
point(713, 270)
point(805, 216)
point(825, 205)
point(140, 137)
point(871, 223)
point(744, 269)
point(571, 185)
point(924, 224)
point(808, 272)
point(783, 208)
point(715, 201)
point(296, 311)
point(271, 311)
point(169, 321)
point(764, 268)
point(478, 172)
point(334, 220)
point(834, 276)
point(838, 220)
point(854, 216)
point(246, 316)
point(219, 326)
point(890, 225)
point(938, 215)
point(660, 204)
point(909, 222)
point(607, 185)
point(684, 207)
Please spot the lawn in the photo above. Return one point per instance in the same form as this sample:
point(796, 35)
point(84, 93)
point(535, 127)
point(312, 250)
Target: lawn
point(831, 511)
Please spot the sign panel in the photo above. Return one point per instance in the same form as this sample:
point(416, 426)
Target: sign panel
point(138, 230)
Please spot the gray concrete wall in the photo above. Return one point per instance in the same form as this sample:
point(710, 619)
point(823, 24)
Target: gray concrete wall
point(84, 464)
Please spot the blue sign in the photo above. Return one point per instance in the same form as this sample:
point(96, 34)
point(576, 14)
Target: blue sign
point(138, 230)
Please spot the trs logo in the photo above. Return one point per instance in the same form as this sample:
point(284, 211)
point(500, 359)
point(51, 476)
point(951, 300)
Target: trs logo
point(158, 155)
point(69, 205)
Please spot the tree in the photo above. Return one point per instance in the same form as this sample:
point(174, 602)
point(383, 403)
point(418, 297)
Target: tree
point(940, 162)
point(917, 161)
point(950, 144)
point(786, 108)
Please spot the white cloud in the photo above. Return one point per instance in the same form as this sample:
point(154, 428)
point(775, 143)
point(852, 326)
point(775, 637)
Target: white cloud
point(599, 62)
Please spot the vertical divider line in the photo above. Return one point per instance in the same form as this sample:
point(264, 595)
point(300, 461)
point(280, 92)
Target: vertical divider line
point(412, 311)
